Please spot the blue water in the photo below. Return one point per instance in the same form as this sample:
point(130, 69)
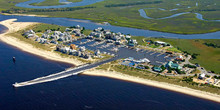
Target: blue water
point(198, 15)
point(82, 3)
point(91, 25)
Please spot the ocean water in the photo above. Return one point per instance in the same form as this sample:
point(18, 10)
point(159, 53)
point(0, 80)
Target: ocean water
point(80, 92)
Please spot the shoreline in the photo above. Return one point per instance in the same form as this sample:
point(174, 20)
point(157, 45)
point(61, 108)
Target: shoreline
point(16, 26)
point(33, 15)
point(157, 84)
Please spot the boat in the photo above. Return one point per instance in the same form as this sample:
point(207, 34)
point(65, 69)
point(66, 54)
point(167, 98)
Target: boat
point(14, 59)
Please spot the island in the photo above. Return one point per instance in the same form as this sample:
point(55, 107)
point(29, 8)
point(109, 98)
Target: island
point(158, 62)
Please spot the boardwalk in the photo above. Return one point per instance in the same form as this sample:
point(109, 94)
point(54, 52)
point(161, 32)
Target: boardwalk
point(63, 74)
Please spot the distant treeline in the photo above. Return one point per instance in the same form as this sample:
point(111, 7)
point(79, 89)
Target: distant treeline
point(212, 45)
point(131, 4)
point(12, 10)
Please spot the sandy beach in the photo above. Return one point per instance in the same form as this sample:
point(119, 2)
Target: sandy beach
point(24, 15)
point(163, 85)
point(15, 26)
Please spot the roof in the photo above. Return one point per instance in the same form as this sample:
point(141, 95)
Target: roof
point(160, 42)
point(173, 65)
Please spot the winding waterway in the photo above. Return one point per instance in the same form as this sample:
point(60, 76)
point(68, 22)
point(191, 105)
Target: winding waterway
point(125, 30)
point(70, 4)
point(88, 2)
point(198, 15)
point(90, 25)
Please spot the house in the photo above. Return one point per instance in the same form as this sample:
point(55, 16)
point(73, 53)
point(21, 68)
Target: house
point(97, 53)
point(202, 76)
point(54, 42)
point(48, 31)
point(45, 36)
point(161, 43)
point(29, 32)
point(30, 35)
point(87, 56)
point(72, 52)
point(180, 58)
point(108, 35)
point(173, 65)
point(116, 38)
point(109, 41)
point(58, 47)
point(61, 39)
point(132, 42)
point(128, 37)
point(118, 42)
point(68, 29)
point(82, 49)
point(66, 50)
point(78, 27)
point(89, 37)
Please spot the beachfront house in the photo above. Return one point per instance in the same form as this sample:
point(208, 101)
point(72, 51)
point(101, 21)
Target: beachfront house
point(82, 48)
point(29, 32)
point(72, 52)
point(97, 52)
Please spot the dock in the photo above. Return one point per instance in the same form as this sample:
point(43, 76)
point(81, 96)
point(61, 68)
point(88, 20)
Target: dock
point(63, 74)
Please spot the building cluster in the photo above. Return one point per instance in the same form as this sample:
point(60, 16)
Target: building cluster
point(207, 79)
point(56, 37)
point(80, 51)
point(100, 34)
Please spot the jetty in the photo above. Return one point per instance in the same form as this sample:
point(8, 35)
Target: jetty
point(63, 74)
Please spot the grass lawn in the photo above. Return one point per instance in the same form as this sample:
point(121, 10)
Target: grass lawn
point(174, 50)
point(43, 27)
